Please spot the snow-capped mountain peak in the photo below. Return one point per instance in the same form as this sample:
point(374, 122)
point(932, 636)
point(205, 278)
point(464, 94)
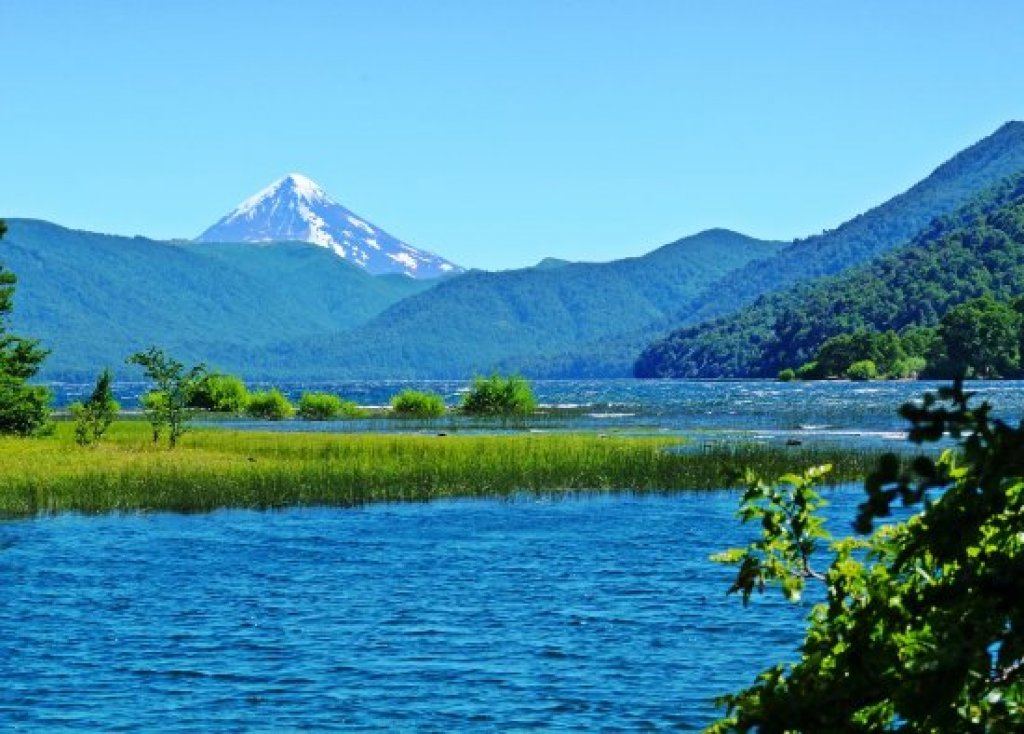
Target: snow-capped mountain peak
point(296, 208)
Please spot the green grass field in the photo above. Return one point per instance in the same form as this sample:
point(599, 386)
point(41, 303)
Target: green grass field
point(215, 467)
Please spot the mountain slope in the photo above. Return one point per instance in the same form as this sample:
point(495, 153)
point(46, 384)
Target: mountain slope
point(976, 251)
point(893, 223)
point(95, 298)
point(482, 321)
point(295, 208)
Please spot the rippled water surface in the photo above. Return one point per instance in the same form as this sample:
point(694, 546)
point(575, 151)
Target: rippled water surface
point(578, 613)
point(571, 613)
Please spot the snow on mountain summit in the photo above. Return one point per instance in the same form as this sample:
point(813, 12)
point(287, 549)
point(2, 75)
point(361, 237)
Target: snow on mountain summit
point(296, 208)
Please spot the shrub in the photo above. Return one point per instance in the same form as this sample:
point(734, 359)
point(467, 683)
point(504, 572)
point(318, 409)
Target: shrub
point(322, 406)
point(909, 367)
point(863, 370)
point(808, 371)
point(499, 396)
point(270, 405)
point(94, 416)
point(787, 375)
point(319, 406)
point(220, 393)
point(416, 404)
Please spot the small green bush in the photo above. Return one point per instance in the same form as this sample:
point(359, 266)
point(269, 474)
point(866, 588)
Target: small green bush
point(865, 369)
point(787, 375)
point(499, 396)
point(319, 406)
point(269, 405)
point(220, 393)
point(416, 404)
point(322, 406)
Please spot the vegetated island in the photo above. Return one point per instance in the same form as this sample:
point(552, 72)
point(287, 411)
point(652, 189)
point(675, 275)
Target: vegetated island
point(215, 468)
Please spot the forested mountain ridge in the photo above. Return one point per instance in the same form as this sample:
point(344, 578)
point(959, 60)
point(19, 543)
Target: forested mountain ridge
point(976, 251)
point(93, 298)
point(951, 185)
point(481, 321)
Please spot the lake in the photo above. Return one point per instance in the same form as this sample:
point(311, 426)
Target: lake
point(583, 612)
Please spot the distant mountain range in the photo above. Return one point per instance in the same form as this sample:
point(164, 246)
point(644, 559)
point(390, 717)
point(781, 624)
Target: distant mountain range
point(314, 309)
point(535, 320)
point(483, 321)
point(295, 208)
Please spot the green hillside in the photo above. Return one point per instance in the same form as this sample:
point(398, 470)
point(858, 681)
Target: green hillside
point(95, 298)
point(889, 225)
point(979, 250)
point(484, 321)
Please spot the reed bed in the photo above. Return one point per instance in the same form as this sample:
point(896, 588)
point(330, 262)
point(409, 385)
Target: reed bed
point(217, 468)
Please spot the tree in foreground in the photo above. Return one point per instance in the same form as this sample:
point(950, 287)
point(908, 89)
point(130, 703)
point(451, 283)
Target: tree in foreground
point(94, 416)
point(922, 627)
point(167, 405)
point(24, 408)
point(499, 396)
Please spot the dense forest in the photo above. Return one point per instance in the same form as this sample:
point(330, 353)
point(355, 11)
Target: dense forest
point(977, 251)
point(950, 186)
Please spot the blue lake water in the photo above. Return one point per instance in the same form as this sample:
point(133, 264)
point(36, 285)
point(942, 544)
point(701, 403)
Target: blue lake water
point(600, 611)
point(583, 612)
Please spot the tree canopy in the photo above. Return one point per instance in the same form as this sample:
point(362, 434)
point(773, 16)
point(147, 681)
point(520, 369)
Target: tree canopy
point(982, 337)
point(24, 408)
point(922, 626)
point(168, 404)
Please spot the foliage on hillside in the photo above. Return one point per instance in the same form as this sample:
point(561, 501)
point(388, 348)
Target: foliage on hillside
point(977, 251)
point(868, 235)
point(920, 629)
point(977, 338)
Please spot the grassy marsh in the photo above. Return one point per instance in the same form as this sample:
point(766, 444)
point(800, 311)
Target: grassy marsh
point(214, 468)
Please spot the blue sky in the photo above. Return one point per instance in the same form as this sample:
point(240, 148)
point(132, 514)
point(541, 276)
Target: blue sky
point(497, 133)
